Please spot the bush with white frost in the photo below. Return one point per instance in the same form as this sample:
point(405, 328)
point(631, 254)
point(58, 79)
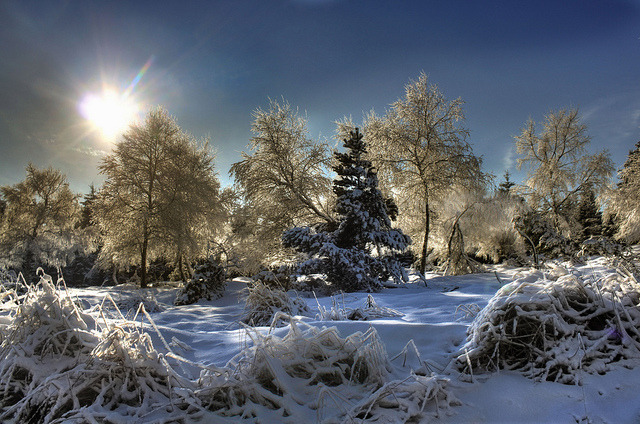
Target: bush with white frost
point(58, 365)
point(264, 303)
point(554, 325)
point(345, 379)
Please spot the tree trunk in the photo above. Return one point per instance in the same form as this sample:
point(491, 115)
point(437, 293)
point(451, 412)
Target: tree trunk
point(143, 261)
point(423, 259)
point(181, 268)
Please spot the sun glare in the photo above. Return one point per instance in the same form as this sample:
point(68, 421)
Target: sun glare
point(109, 112)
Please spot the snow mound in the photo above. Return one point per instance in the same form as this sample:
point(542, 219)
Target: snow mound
point(555, 325)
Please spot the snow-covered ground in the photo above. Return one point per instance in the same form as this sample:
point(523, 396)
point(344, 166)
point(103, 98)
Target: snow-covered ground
point(435, 317)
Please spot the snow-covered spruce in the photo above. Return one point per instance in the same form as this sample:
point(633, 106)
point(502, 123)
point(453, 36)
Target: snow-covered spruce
point(264, 303)
point(553, 326)
point(360, 250)
point(208, 282)
point(344, 379)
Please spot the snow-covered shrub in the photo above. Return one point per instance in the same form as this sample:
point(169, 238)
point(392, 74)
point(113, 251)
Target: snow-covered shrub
point(600, 246)
point(281, 373)
point(264, 303)
point(544, 236)
point(208, 282)
point(56, 366)
point(406, 400)
point(278, 278)
point(344, 379)
point(369, 310)
point(552, 325)
point(47, 335)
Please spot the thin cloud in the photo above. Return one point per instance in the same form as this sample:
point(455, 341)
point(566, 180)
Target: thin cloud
point(90, 151)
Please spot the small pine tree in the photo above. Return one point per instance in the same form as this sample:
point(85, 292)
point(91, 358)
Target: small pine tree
point(360, 252)
point(504, 189)
point(589, 215)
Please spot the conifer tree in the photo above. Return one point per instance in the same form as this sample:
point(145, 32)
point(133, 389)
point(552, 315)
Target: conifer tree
point(360, 251)
point(589, 215)
point(624, 207)
point(504, 189)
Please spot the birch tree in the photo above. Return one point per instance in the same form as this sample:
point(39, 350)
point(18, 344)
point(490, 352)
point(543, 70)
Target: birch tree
point(160, 197)
point(285, 174)
point(559, 167)
point(420, 146)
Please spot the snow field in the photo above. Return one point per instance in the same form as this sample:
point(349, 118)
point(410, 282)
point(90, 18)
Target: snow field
point(198, 363)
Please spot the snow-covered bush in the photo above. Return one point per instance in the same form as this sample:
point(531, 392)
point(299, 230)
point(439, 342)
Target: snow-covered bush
point(280, 277)
point(208, 282)
point(264, 303)
point(601, 246)
point(369, 310)
point(56, 366)
point(553, 325)
point(544, 236)
point(344, 379)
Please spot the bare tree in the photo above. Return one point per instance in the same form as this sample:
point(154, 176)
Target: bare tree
point(39, 222)
point(421, 149)
point(559, 167)
point(160, 197)
point(286, 175)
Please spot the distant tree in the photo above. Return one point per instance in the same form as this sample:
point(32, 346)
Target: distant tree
point(360, 250)
point(504, 189)
point(559, 167)
point(421, 149)
point(87, 207)
point(285, 176)
point(160, 197)
point(624, 206)
point(38, 224)
point(589, 215)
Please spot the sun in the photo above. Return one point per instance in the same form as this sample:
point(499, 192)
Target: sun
point(109, 112)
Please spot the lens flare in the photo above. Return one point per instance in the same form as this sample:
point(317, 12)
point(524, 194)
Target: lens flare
point(109, 112)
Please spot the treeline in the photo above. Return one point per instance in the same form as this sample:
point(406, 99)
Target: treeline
point(406, 190)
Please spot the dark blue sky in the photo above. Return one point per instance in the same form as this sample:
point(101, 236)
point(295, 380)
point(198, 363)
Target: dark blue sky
point(214, 62)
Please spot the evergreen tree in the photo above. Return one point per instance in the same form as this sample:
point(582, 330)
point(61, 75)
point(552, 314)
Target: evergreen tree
point(624, 207)
point(360, 250)
point(87, 207)
point(504, 189)
point(589, 215)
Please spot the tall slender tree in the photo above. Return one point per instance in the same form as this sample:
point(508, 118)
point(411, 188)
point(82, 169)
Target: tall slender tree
point(421, 149)
point(284, 176)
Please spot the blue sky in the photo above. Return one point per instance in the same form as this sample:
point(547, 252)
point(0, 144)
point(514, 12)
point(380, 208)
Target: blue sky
point(214, 62)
